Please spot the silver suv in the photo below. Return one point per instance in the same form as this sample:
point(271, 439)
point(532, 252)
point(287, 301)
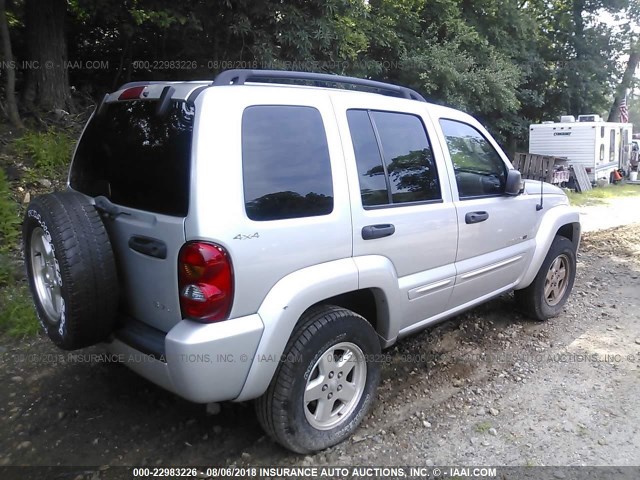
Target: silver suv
point(264, 236)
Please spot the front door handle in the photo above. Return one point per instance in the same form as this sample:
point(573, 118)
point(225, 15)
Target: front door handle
point(371, 232)
point(476, 217)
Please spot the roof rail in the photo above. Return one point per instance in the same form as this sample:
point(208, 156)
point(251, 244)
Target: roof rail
point(241, 76)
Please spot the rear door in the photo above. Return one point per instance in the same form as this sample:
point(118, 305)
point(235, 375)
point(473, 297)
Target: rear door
point(401, 202)
point(134, 159)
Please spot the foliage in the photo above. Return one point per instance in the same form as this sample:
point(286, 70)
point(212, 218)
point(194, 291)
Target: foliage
point(9, 219)
point(511, 63)
point(49, 152)
point(6, 271)
point(17, 314)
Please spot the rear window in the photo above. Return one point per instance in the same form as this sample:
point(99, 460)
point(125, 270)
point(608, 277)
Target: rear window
point(137, 158)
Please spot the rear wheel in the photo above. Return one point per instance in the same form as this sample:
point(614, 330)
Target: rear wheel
point(324, 388)
point(548, 292)
point(70, 269)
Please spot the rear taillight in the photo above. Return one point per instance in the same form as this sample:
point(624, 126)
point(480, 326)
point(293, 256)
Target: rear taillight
point(205, 279)
point(132, 93)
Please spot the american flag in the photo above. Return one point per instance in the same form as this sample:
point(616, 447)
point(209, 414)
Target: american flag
point(624, 110)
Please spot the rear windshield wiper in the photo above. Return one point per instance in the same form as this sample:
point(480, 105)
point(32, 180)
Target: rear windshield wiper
point(104, 205)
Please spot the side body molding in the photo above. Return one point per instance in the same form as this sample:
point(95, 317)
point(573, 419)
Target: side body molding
point(552, 221)
point(283, 306)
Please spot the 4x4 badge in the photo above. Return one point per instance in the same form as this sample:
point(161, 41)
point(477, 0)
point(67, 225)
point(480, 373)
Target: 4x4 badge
point(242, 236)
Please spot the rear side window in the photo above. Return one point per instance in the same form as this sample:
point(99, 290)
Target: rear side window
point(479, 168)
point(373, 182)
point(285, 161)
point(394, 158)
point(137, 158)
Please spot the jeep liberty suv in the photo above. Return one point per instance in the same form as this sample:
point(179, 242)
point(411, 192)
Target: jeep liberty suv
point(263, 236)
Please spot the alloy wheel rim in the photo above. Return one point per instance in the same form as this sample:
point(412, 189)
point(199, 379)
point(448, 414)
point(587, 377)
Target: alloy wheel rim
point(335, 386)
point(46, 277)
point(556, 281)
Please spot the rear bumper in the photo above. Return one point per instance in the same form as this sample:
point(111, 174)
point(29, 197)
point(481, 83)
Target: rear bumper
point(200, 362)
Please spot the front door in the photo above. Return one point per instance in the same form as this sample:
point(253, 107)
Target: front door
point(495, 231)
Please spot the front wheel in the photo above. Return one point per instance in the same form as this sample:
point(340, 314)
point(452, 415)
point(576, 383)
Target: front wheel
point(323, 390)
point(548, 292)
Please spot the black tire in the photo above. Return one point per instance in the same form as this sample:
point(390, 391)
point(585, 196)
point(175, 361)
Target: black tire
point(281, 410)
point(533, 300)
point(85, 271)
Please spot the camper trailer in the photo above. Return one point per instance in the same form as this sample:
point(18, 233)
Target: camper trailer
point(600, 146)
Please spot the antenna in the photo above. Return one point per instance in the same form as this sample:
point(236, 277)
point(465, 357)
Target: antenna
point(540, 206)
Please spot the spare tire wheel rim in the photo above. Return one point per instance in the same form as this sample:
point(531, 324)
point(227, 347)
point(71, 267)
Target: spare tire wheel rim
point(335, 386)
point(46, 275)
point(557, 279)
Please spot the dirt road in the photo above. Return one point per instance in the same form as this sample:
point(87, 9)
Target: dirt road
point(488, 387)
point(614, 212)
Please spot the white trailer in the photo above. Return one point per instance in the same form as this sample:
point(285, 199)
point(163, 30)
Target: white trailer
point(600, 146)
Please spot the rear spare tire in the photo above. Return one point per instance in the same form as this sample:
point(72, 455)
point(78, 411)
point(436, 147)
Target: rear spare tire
point(71, 269)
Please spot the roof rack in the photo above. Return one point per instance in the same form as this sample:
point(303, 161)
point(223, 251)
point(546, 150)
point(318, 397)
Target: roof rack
point(241, 76)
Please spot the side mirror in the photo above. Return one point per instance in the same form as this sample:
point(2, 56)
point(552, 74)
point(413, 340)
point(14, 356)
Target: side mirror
point(514, 185)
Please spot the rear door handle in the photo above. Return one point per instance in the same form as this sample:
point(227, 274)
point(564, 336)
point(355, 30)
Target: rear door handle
point(476, 217)
point(148, 246)
point(371, 232)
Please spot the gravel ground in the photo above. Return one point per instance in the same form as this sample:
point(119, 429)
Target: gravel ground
point(486, 388)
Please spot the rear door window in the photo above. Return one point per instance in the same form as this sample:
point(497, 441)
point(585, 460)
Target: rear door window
point(286, 164)
point(373, 181)
point(137, 158)
point(394, 158)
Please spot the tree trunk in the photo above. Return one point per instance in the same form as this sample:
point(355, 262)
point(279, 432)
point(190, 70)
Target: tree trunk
point(47, 84)
point(10, 86)
point(627, 78)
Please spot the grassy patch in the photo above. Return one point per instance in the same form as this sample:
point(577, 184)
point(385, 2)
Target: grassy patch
point(9, 219)
point(45, 155)
point(600, 195)
point(48, 153)
point(482, 427)
point(17, 314)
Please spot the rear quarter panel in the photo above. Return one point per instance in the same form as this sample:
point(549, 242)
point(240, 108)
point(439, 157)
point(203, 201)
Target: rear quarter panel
point(262, 252)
